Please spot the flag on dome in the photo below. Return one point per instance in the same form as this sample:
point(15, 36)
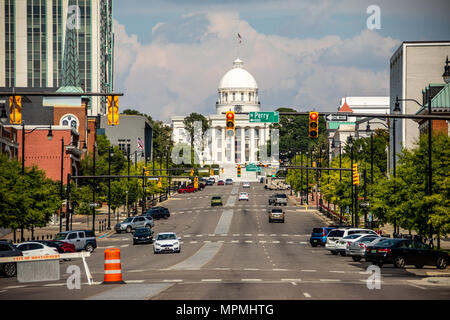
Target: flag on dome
point(239, 38)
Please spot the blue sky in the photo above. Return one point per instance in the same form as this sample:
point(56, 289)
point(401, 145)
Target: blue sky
point(171, 54)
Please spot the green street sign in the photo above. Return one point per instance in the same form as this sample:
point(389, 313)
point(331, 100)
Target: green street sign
point(252, 168)
point(268, 117)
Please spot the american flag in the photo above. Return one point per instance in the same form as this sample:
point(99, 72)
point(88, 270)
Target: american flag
point(140, 144)
point(239, 38)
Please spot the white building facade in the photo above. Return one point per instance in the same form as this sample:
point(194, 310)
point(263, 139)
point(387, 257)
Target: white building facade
point(238, 92)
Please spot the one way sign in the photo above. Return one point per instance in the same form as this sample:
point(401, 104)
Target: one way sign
point(336, 117)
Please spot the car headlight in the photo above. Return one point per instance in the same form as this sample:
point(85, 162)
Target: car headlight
point(157, 244)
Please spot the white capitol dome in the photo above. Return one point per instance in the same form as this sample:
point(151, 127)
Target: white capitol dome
point(237, 91)
point(238, 77)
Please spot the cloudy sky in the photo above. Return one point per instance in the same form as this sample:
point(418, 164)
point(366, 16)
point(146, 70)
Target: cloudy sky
point(171, 54)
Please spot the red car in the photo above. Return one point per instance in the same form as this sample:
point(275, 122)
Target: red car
point(61, 246)
point(187, 189)
point(221, 183)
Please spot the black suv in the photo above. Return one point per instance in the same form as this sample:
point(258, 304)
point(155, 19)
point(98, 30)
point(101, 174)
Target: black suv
point(7, 249)
point(157, 213)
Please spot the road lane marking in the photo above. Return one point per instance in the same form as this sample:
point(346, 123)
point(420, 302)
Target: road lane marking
point(224, 222)
point(251, 280)
point(211, 280)
point(330, 280)
point(307, 295)
point(200, 258)
point(173, 280)
point(292, 280)
point(308, 270)
point(135, 271)
point(135, 281)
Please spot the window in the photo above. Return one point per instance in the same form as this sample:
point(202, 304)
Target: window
point(4, 247)
point(81, 235)
point(72, 236)
point(69, 120)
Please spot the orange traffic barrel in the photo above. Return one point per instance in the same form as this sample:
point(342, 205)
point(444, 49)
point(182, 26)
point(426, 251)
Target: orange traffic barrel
point(113, 269)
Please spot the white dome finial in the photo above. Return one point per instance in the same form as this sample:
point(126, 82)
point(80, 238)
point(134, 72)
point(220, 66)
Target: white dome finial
point(238, 63)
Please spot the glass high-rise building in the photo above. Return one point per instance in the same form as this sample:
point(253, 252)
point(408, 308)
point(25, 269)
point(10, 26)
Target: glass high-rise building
point(32, 49)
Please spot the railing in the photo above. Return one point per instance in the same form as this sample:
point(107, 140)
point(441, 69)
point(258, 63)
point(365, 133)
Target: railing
point(332, 214)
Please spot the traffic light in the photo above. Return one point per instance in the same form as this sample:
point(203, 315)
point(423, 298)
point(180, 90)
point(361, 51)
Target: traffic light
point(230, 124)
point(159, 184)
point(355, 174)
point(192, 172)
point(113, 110)
point(239, 170)
point(196, 182)
point(212, 172)
point(15, 109)
point(313, 131)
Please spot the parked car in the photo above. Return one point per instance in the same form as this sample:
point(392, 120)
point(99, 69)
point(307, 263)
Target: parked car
point(132, 223)
point(31, 248)
point(319, 236)
point(62, 247)
point(187, 189)
point(278, 199)
point(243, 196)
point(246, 185)
point(276, 215)
point(357, 250)
point(7, 249)
point(156, 213)
point(402, 252)
point(335, 235)
point(228, 181)
point(343, 244)
point(143, 235)
point(220, 183)
point(216, 201)
point(209, 182)
point(81, 239)
point(165, 242)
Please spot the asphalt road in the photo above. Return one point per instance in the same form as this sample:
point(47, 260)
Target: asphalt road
point(231, 252)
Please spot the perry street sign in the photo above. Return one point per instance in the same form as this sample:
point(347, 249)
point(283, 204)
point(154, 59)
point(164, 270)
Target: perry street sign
point(269, 117)
point(252, 167)
point(336, 117)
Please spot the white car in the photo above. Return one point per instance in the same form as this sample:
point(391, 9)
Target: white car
point(343, 245)
point(243, 196)
point(166, 242)
point(246, 185)
point(335, 235)
point(36, 249)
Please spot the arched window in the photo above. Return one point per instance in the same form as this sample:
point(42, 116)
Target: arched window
point(69, 120)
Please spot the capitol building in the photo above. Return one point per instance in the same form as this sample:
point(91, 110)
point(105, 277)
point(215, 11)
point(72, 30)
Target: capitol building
point(238, 92)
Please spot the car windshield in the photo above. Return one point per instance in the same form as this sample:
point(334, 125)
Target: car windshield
point(388, 243)
point(60, 236)
point(142, 231)
point(128, 219)
point(317, 230)
point(281, 195)
point(167, 236)
point(244, 194)
point(352, 236)
point(336, 233)
point(277, 211)
point(216, 198)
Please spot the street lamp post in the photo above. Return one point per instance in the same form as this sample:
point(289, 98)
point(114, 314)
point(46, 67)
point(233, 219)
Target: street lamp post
point(350, 143)
point(93, 189)
point(109, 187)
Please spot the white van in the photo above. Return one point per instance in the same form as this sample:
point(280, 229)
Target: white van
point(335, 235)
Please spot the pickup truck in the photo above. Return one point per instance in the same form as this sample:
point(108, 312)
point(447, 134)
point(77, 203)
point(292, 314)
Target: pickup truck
point(276, 215)
point(278, 199)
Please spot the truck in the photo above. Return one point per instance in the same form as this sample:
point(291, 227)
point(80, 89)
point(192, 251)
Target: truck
point(278, 199)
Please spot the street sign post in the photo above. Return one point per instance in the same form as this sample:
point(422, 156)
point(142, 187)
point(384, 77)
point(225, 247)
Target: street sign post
point(252, 167)
point(267, 117)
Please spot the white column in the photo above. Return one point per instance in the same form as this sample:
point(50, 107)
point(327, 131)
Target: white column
point(213, 145)
point(233, 149)
point(243, 145)
point(252, 145)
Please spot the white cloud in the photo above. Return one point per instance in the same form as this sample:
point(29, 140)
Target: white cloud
point(178, 72)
